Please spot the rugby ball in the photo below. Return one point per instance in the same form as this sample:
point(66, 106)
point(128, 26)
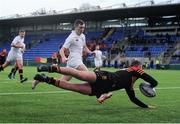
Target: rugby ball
point(147, 90)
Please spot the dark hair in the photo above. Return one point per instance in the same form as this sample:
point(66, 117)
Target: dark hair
point(78, 21)
point(21, 30)
point(135, 63)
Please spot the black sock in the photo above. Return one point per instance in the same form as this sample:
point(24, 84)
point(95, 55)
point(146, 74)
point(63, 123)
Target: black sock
point(1, 68)
point(12, 71)
point(21, 74)
point(52, 81)
point(15, 70)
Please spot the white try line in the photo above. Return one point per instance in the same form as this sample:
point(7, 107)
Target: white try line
point(54, 92)
point(8, 81)
point(29, 93)
point(167, 88)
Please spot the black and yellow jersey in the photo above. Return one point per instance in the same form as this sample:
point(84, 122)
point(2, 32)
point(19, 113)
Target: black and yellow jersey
point(122, 79)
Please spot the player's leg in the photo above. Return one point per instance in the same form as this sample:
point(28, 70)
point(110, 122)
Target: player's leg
point(81, 75)
point(13, 70)
point(19, 63)
point(95, 69)
point(69, 72)
point(81, 67)
point(97, 65)
point(14, 73)
point(100, 65)
point(2, 67)
point(2, 60)
point(80, 88)
point(65, 77)
point(10, 57)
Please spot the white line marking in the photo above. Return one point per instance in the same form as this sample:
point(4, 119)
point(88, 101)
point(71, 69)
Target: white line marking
point(17, 81)
point(167, 88)
point(27, 93)
point(54, 92)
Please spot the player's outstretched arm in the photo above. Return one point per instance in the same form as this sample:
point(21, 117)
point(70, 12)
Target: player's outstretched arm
point(135, 100)
point(149, 79)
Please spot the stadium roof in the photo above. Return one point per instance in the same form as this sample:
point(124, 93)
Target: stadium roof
point(98, 15)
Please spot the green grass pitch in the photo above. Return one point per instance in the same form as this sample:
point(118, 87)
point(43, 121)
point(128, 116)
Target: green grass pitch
point(48, 104)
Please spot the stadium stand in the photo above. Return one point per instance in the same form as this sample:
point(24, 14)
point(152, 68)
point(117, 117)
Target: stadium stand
point(122, 33)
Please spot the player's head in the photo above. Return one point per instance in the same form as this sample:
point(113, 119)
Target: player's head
point(22, 33)
point(79, 26)
point(136, 63)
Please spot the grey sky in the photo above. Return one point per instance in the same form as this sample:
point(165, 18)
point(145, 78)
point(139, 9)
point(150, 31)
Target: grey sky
point(10, 7)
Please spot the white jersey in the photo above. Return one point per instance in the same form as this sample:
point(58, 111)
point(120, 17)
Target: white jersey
point(98, 55)
point(17, 40)
point(75, 44)
point(16, 53)
point(98, 58)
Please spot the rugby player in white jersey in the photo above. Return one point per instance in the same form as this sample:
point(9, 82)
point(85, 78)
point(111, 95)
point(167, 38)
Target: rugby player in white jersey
point(16, 54)
point(98, 58)
point(76, 44)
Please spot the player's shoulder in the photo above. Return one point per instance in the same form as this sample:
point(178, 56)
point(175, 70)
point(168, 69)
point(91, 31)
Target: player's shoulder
point(17, 37)
point(71, 35)
point(70, 38)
